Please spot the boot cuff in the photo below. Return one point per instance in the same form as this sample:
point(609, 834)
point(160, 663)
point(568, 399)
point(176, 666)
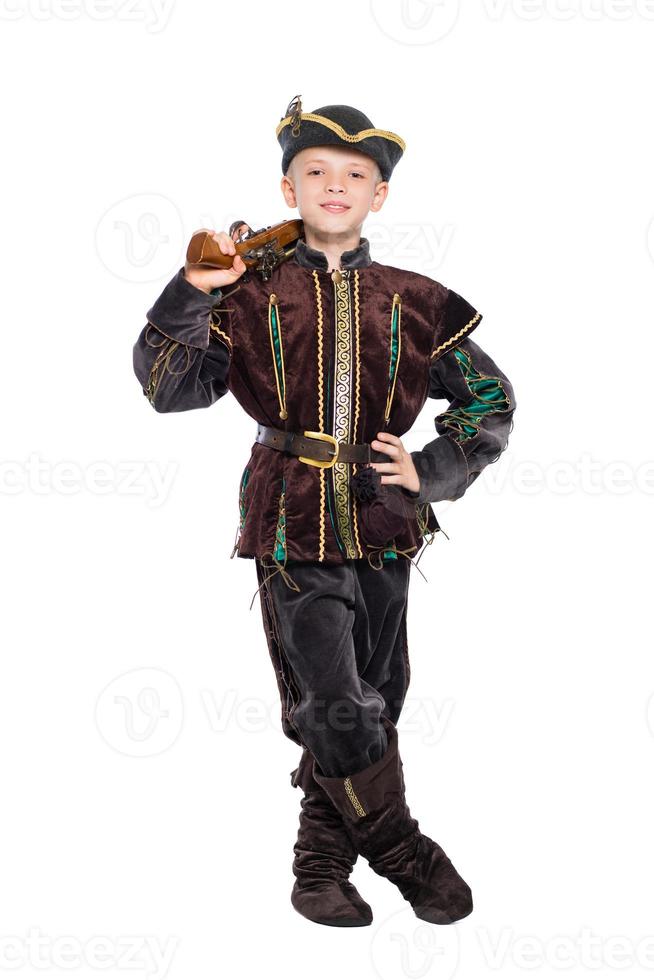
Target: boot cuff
point(365, 792)
point(302, 775)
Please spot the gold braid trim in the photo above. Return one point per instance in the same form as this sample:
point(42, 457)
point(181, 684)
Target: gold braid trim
point(357, 403)
point(221, 333)
point(397, 302)
point(321, 420)
point(456, 336)
point(353, 798)
point(344, 135)
point(283, 414)
point(164, 359)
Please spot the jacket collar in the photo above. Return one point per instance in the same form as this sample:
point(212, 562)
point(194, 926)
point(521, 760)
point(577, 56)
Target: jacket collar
point(313, 258)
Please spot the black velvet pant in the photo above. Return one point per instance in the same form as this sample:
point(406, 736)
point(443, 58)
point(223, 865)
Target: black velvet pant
point(339, 649)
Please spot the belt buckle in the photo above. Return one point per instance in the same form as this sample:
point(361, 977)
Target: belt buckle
point(322, 463)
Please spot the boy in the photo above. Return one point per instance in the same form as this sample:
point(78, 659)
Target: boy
point(334, 356)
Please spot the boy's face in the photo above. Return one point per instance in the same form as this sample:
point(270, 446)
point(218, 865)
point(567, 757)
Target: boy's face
point(320, 174)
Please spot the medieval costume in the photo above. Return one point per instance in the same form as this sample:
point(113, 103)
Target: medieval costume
point(322, 361)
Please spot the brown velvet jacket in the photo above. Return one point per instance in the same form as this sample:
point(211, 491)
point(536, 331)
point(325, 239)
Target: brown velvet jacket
point(302, 352)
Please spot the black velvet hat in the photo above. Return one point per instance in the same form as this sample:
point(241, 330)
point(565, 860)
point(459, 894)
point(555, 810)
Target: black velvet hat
point(337, 125)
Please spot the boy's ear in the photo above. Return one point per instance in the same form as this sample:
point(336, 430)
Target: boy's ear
point(288, 190)
point(381, 193)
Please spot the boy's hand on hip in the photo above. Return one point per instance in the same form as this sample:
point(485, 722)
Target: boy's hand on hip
point(401, 469)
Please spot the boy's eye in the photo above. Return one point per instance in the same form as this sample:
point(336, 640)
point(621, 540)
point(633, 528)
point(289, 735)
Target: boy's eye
point(318, 171)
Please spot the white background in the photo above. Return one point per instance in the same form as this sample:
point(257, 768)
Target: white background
point(146, 787)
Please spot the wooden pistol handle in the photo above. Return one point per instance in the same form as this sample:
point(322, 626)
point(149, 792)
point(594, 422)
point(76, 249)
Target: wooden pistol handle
point(203, 250)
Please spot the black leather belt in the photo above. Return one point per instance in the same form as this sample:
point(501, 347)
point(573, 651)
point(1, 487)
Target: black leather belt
point(318, 448)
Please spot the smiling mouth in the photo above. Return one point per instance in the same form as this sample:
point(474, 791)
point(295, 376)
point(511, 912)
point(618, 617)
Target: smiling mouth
point(334, 209)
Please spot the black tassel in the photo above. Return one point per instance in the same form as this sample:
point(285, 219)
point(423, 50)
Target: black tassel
point(366, 483)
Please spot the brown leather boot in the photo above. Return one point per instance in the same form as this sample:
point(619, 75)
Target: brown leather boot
point(324, 858)
point(374, 808)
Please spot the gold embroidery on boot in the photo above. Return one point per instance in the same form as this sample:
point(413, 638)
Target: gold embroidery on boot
point(353, 797)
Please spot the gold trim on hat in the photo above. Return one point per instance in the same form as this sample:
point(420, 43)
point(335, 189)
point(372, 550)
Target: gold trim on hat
point(336, 128)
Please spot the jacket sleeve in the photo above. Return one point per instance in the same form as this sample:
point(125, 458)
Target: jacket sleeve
point(183, 353)
point(474, 429)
